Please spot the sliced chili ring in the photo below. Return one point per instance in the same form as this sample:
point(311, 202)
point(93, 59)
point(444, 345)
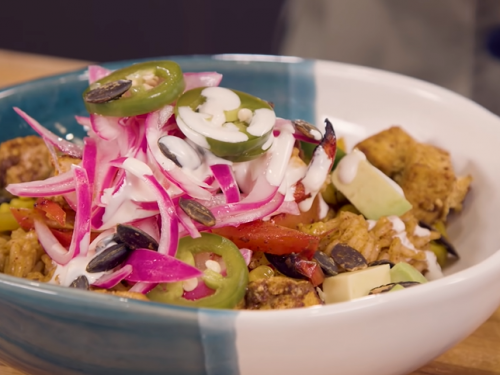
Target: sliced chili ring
point(154, 85)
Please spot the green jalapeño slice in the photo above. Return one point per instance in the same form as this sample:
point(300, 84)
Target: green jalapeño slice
point(231, 124)
point(135, 90)
point(229, 289)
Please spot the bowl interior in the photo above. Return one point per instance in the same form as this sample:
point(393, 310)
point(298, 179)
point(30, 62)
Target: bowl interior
point(359, 101)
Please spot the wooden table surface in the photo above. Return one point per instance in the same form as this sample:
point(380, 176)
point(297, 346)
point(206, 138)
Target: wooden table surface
point(479, 354)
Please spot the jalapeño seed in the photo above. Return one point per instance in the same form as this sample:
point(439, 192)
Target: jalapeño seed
point(108, 91)
point(197, 212)
point(108, 259)
point(81, 282)
point(348, 258)
point(135, 238)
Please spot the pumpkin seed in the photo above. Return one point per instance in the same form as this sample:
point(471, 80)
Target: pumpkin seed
point(108, 259)
point(348, 258)
point(169, 154)
point(197, 212)
point(326, 263)
point(307, 129)
point(81, 282)
point(109, 91)
point(441, 240)
point(381, 262)
point(388, 287)
point(135, 238)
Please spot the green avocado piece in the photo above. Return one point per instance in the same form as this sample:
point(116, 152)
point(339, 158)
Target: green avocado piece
point(397, 287)
point(373, 193)
point(406, 272)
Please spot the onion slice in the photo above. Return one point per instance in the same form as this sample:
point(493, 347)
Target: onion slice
point(203, 79)
point(81, 234)
point(57, 185)
point(112, 279)
point(152, 267)
point(224, 176)
point(97, 72)
point(64, 146)
point(169, 221)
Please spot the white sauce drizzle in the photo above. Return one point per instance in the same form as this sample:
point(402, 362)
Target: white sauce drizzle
point(262, 122)
point(65, 275)
point(348, 166)
point(295, 170)
point(201, 124)
point(210, 119)
point(185, 154)
point(421, 232)
point(280, 152)
point(315, 177)
point(434, 271)
point(323, 207)
point(371, 224)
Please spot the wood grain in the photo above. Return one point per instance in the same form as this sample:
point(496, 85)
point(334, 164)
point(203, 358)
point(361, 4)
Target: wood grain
point(479, 354)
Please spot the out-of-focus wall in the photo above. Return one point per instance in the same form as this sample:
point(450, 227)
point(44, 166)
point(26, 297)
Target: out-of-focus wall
point(106, 30)
point(448, 42)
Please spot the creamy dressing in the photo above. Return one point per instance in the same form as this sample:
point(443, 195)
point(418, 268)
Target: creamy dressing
point(201, 123)
point(210, 121)
point(323, 207)
point(280, 151)
point(295, 170)
point(262, 122)
point(421, 232)
point(371, 224)
point(434, 271)
point(315, 176)
point(76, 267)
point(185, 154)
point(433, 268)
point(348, 166)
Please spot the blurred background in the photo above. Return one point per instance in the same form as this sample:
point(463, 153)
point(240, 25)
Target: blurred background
point(453, 43)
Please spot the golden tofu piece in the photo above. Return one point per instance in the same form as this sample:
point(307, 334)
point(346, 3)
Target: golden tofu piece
point(387, 150)
point(280, 293)
point(24, 159)
point(427, 180)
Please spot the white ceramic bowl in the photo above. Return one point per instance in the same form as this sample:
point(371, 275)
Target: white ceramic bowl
point(51, 330)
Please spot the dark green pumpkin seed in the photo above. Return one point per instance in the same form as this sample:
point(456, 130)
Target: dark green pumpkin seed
point(348, 258)
point(81, 282)
point(388, 287)
point(441, 240)
point(109, 91)
point(307, 129)
point(197, 212)
point(135, 238)
point(108, 259)
point(168, 154)
point(381, 262)
point(326, 263)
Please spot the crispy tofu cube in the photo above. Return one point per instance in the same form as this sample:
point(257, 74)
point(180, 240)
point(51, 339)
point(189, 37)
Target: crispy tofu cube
point(427, 180)
point(280, 293)
point(387, 150)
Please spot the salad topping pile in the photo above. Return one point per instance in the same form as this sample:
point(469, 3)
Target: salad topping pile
point(195, 194)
